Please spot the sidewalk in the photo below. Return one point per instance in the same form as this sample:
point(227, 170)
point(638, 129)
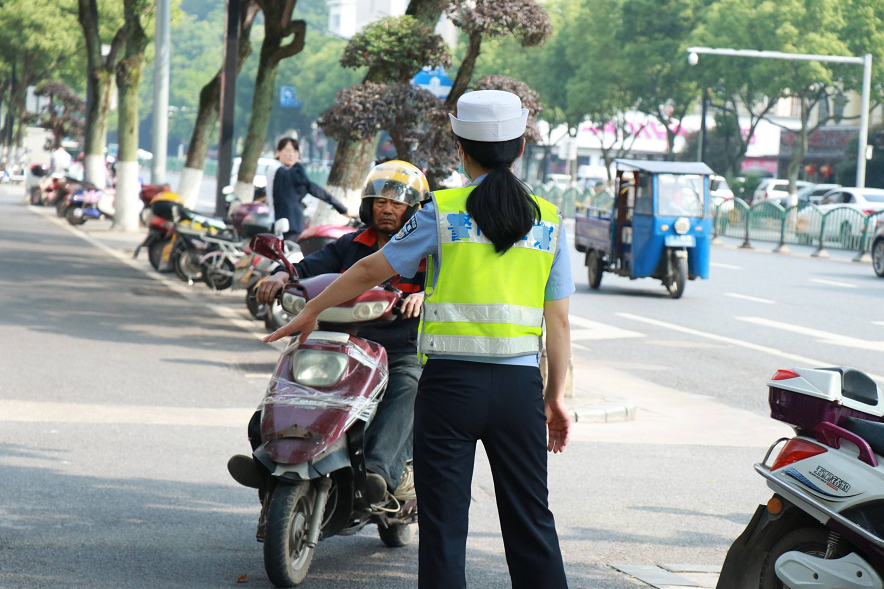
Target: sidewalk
point(589, 404)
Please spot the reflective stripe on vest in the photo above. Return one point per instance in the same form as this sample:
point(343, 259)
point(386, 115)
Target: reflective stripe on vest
point(468, 345)
point(483, 313)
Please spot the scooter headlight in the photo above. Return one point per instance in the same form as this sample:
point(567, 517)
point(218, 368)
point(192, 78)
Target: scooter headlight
point(368, 311)
point(292, 303)
point(318, 368)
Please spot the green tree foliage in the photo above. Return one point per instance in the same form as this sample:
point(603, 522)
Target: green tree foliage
point(40, 40)
point(654, 35)
point(394, 48)
point(63, 115)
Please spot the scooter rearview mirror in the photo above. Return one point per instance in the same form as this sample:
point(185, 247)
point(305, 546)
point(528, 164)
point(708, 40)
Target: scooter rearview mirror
point(272, 247)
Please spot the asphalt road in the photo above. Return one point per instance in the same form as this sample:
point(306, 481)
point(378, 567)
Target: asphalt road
point(121, 400)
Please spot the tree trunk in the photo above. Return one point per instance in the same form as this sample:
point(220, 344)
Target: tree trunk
point(352, 161)
point(354, 158)
point(427, 11)
point(799, 149)
point(464, 72)
point(127, 199)
point(101, 88)
point(208, 114)
point(262, 105)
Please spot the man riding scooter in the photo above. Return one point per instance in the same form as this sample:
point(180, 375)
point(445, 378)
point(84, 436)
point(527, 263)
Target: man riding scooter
point(390, 197)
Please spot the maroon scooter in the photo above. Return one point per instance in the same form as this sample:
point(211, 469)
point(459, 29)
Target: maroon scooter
point(320, 400)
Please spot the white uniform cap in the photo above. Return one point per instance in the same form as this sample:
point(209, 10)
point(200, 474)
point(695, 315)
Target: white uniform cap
point(489, 116)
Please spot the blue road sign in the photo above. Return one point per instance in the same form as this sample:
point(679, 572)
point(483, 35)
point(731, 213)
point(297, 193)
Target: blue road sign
point(435, 80)
point(288, 98)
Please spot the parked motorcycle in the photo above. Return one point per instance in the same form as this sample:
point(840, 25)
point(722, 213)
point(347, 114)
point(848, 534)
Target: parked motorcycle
point(320, 400)
point(226, 251)
point(824, 526)
point(147, 194)
point(87, 203)
point(160, 229)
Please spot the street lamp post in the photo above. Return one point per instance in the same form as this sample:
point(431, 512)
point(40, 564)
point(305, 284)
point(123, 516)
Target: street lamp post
point(865, 61)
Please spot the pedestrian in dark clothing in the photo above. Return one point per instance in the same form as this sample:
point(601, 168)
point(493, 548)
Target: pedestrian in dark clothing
point(291, 185)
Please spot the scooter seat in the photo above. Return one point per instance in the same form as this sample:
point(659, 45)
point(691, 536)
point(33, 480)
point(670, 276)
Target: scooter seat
point(870, 431)
point(857, 385)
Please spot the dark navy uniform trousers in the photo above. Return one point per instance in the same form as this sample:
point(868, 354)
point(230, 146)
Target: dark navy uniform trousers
point(459, 403)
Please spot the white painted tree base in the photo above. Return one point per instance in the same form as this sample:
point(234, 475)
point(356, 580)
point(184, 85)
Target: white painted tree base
point(326, 214)
point(245, 191)
point(127, 202)
point(95, 170)
point(189, 186)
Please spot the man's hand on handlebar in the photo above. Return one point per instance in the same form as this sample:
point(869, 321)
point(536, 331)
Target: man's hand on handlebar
point(267, 290)
point(411, 306)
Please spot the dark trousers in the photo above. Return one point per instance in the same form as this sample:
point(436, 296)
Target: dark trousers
point(459, 403)
point(388, 440)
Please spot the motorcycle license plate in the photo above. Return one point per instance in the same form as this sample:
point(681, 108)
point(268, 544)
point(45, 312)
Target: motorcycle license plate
point(680, 241)
point(167, 250)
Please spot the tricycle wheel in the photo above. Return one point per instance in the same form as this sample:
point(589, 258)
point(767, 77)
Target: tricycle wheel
point(73, 219)
point(678, 273)
point(594, 269)
point(286, 554)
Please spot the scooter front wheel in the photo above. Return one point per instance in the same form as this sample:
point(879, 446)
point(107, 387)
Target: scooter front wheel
point(287, 556)
point(397, 535)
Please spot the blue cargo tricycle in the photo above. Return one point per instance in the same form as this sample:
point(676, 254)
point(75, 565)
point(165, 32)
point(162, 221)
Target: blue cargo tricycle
point(659, 225)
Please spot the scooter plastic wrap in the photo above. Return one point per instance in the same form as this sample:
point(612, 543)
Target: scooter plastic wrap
point(299, 420)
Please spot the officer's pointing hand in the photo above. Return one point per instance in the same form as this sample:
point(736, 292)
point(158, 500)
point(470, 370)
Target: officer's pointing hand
point(305, 322)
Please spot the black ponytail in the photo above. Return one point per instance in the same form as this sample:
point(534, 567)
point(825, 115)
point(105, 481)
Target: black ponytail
point(501, 204)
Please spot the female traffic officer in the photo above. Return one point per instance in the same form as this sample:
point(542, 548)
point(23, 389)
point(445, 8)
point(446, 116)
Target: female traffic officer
point(498, 269)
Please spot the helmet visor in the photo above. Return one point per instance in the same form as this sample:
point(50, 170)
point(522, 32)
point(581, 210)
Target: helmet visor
point(396, 180)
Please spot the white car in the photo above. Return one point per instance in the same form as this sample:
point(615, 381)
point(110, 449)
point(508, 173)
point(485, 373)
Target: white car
point(776, 188)
point(846, 224)
point(260, 180)
point(560, 181)
point(812, 194)
point(719, 190)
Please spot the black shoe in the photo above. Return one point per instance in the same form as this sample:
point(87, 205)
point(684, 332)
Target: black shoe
point(244, 471)
point(375, 488)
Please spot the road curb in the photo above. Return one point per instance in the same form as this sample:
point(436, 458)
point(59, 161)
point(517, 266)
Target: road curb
point(788, 254)
point(608, 412)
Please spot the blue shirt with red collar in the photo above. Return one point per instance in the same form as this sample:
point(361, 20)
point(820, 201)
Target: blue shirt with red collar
point(399, 336)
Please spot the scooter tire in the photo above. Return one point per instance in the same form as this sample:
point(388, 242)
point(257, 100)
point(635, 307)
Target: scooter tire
point(180, 263)
point(397, 535)
point(73, 219)
point(155, 255)
point(219, 280)
point(287, 558)
point(258, 310)
point(679, 278)
point(809, 540)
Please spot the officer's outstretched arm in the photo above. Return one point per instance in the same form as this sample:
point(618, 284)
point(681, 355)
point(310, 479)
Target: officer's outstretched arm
point(363, 275)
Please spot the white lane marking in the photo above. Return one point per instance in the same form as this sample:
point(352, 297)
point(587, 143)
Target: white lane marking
point(593, 330)
point(239, 319)
point(836, 339)
point(833, 283)
point(725, 266)
point(579, 347)
point(881, 323)
point(736, 342)
point(748, 298)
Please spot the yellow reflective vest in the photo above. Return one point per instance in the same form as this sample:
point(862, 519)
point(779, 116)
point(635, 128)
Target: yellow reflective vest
point(481, 303)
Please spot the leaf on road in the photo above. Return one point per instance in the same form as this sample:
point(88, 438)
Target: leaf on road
point(242, 579)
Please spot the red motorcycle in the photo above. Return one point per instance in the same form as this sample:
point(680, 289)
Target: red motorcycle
point(311, 456)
